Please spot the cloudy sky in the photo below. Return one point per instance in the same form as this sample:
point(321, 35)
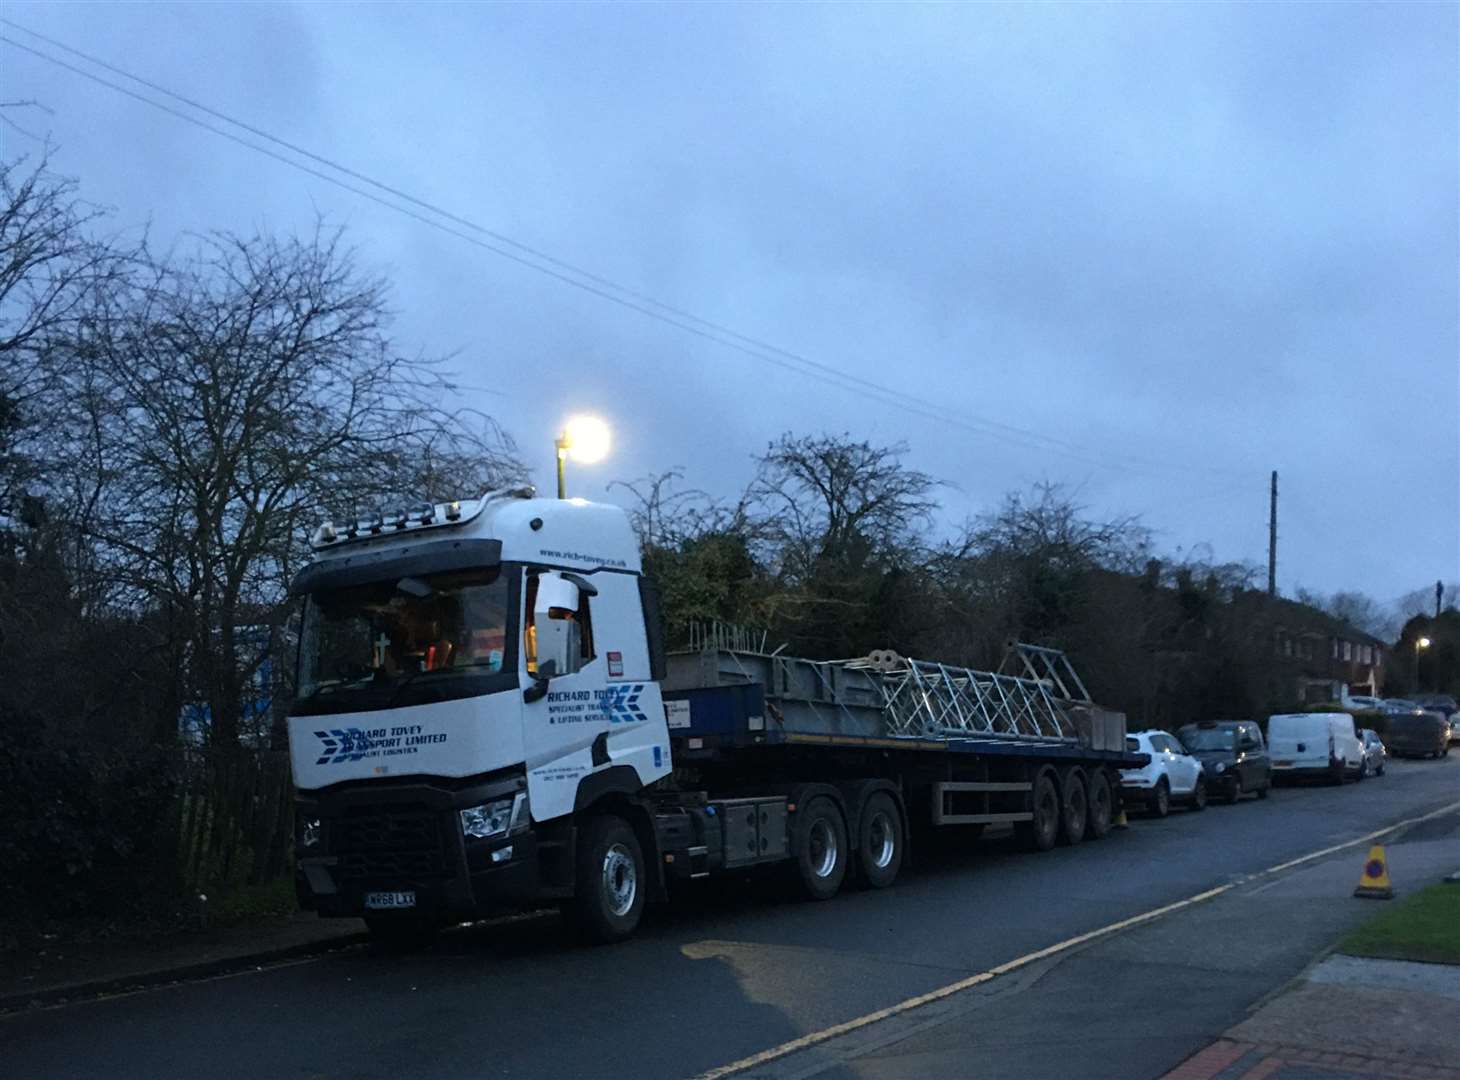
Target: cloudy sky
point(1149, 251)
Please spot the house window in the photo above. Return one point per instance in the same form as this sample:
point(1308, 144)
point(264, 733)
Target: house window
point(1305, 648)
point(1348, 650)
point(1287, 645)
point(1334, 643)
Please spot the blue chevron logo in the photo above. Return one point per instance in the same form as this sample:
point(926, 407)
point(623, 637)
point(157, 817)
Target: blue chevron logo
point(620, 704)
point(342, 744)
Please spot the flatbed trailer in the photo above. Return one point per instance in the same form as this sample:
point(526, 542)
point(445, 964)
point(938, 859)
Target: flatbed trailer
point(742, 752)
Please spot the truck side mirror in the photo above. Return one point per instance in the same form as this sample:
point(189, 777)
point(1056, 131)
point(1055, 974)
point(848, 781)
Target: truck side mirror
point(555, 618)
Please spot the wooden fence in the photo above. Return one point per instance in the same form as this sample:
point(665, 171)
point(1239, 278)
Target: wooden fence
point(233, 817)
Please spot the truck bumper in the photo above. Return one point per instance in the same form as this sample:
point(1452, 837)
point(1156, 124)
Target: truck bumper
point(484, 888)
point(408, 839)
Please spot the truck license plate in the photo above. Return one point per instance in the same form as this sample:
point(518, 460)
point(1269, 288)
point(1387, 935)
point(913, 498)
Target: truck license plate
point(381, 901)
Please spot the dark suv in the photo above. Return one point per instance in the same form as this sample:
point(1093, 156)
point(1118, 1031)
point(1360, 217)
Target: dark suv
point(1233, 757)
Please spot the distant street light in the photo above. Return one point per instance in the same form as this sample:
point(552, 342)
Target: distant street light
point(1419, 643)
point(586, 440)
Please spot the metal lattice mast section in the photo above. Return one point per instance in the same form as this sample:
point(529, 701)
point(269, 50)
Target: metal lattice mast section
point(930, 699)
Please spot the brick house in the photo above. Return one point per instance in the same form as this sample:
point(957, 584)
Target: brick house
point(1318, 657)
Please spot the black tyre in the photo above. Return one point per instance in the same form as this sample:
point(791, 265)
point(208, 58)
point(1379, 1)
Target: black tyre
point(1380, 770)
point(609, 898)
point(1075, 811)
point(1234, 790)
point(1262, 791)
point(821, 848)
point(1363, 773)
point(1199, 794)
point(1041, 833)
point(1102, 806)
point(880, 844)
point(1160, 802)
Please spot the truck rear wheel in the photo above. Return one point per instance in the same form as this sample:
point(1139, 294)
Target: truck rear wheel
point(821, 848)
point(608, 900)
point(1041, 833)
point(879, 850)
point(1102, 805)
point(1075, 808)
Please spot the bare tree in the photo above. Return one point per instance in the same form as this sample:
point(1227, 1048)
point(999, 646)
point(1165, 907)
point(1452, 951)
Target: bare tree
point(223, 404)
point(49, 263)
point(828, 500)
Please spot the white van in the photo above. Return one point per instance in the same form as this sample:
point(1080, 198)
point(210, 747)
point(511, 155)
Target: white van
point(1315, 744)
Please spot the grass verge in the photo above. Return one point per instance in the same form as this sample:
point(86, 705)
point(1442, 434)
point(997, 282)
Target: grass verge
point(1425, 926)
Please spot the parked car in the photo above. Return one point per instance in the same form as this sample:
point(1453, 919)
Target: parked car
point(1172, 776)
point(1417, 734)
point(1315, 745)
point(1400, 707)
point(1442, 702)
point(1376, 756)
point(1233, 757)
point(1365, 703)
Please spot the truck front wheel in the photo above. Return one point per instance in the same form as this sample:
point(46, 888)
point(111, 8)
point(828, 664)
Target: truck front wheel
point(879, 854)
point(821, 848)
point(608, 900)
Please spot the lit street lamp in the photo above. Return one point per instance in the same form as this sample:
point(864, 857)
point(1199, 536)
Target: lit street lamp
point(1419, 643)
point(585, 438)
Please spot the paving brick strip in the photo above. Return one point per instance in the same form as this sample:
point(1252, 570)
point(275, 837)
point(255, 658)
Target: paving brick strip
point(1227, 1059)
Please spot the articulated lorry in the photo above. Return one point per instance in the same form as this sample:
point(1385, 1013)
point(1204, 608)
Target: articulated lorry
point(486, 720)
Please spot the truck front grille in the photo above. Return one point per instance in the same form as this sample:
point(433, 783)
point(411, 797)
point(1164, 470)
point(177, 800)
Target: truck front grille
point(397, 844)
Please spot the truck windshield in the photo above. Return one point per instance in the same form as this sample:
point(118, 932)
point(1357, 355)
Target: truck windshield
point(363, 646)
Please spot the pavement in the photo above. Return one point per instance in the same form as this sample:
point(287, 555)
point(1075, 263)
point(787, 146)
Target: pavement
point(68, 971)
point(1348, 1016)
point(1093, 961)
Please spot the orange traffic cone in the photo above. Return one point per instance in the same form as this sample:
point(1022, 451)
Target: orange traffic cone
point(1121, 821)
point(1374, 884)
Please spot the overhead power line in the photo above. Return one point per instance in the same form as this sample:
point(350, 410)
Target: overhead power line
point(569, 274)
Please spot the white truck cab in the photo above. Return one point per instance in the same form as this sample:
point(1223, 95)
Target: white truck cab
point(488, 656)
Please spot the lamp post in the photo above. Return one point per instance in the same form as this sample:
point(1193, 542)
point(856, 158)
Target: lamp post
point(1419, 643)
point(586, 440)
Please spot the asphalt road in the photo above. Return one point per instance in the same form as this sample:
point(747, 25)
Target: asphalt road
point(729, 973)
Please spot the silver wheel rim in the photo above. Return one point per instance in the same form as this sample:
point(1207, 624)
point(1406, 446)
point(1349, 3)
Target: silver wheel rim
point(881, 841)
point(823, 848)
point(620, 879)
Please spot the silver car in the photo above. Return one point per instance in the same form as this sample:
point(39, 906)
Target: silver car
point(1375, 755)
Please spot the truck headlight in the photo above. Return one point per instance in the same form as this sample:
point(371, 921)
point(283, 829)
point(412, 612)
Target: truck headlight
point(496, 818)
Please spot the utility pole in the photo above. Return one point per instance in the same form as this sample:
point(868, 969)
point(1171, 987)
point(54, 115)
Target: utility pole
point(1439, 597)
point(1272, 539)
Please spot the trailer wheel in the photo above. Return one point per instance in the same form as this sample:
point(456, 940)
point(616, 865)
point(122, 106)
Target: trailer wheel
point(879, 850)
point(1102, 806)
point(1075, 809)
point(1044, 800)
point(609, 898)
point(821, 848)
